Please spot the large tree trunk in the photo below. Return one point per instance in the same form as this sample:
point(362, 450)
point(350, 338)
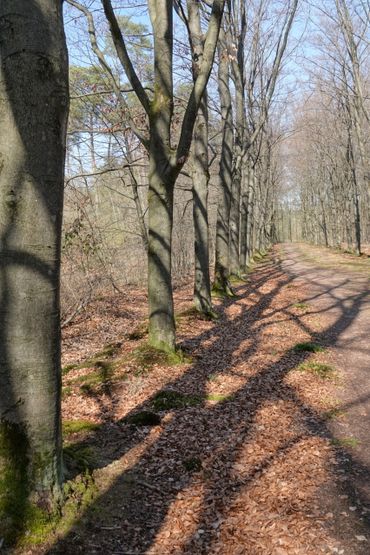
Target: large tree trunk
point(221, 284)
point(33, 111)
point(238, 66)
point(162, 331)
point(200, 175)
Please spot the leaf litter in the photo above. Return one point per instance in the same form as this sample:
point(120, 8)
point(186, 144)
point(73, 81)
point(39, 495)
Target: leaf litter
point(244, 470)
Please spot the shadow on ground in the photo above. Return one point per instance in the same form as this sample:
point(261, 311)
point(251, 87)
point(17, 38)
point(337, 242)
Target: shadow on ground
point(127, 517)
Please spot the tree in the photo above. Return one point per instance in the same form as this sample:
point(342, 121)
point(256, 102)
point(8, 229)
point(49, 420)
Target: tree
point(165, 159)
point(33, 114)
point(200, 167)
point(244, 118)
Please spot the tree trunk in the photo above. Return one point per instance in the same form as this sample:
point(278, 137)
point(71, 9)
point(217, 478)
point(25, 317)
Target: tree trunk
point(33, 113)
point(244, 253)
point(222, 285)
point(162, 332)
point(200, 175)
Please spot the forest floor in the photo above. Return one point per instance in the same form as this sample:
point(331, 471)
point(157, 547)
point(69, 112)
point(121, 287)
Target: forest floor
point(257, 443)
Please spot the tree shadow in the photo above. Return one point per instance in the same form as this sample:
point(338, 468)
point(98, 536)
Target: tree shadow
point(147, 479)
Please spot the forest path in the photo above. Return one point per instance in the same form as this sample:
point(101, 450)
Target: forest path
point(338, 288)
point(249, 452)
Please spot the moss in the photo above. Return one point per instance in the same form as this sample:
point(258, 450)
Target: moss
point(190, 312)
point(108, 351)
point(25, 517)
point(144, 418)
point(333, 413)
point(147, 356)
point(97, 359)
point(78, 494)
point(259, 255)
point(160, 101)
point(301, 306)
point(68, 368)
point(220, 291)
point(322, 370)
point(193, 464)
point(168, 400)
point(14, 484)
point(345, 442)
point(217, 397)
point(102, 375)
point(66, 391)
point(76, 426)
point(78, 457)
point(23, 520)
point(308, 347)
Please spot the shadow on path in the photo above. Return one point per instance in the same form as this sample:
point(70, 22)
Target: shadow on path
point(137, 503)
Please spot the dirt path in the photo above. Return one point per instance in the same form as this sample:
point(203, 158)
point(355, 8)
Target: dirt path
point(339, 289)
point(246, 453)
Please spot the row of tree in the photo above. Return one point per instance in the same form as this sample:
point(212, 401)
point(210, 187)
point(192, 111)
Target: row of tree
point(331, 164)
point(238, 137)
point(149, 125)
point(177, 145)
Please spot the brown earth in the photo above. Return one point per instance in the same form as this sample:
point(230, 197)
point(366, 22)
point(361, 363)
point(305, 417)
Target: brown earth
point(261, 455)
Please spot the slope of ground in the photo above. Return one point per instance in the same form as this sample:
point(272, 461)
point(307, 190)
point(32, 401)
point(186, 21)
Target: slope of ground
point(237, 451)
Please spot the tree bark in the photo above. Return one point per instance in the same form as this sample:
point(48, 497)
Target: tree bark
point(200, 175)
point(222, 271)
point(33, 114)
point(162, 331)
point(165, 161)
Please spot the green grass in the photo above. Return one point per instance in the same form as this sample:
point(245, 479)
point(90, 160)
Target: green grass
point(168, 400)
point(301, 306)
point(308, 347)
point(345, 442)
point(76, 426)
point(68, 368)
point(334, 413)
point(322, 370)
point(217, 397)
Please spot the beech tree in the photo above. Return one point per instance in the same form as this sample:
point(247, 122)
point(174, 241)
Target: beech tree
point(245, 111)
point(165, 158)
point(33, 114)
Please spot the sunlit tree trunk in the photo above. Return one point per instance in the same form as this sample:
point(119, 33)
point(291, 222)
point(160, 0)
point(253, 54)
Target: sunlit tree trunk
point(200, 175)
point(222, 270)
point(165, 160)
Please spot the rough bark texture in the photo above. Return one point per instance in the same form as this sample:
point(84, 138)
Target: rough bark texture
point(165, 160)
point(33, 113)
point(239, 30)
point(221, 284)
point(200, 175)
point(162, 331)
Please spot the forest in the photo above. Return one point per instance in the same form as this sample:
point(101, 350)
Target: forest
point(184, 277)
